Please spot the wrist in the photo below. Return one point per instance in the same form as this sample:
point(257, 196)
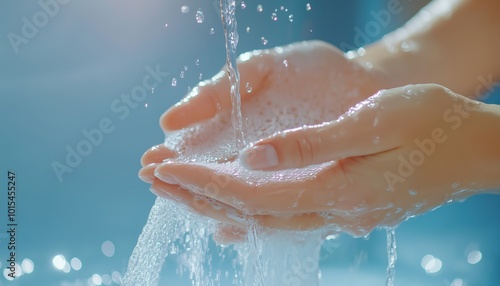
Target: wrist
point(489, 147)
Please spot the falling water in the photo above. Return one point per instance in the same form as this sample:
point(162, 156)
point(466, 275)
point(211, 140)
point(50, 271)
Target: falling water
point(266, 259)
point(228, 16)
point(391, 256)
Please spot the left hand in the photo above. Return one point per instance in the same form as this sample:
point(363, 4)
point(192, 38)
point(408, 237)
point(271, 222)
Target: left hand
point(398, 154)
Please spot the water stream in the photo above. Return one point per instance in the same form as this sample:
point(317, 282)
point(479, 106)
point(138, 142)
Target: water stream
point(228, 16)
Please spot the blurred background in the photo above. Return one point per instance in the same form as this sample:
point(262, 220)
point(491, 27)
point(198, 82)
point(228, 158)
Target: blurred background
point(68, 68)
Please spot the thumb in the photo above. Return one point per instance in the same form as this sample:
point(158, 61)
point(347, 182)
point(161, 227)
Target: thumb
point(212, 96)
point(363, 130)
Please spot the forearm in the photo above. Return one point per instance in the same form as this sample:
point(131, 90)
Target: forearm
point(451, 43)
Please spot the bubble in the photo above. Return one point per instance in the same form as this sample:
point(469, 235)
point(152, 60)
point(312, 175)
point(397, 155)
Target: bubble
point(197, 62)
point(274, 17)
point(308, 7)
point(285, 63)
point(201, 75)
point(185, 9)
point(174, 82)
point(248, 87)
point(264, 40)
point(259, 8)
point(243, 5)
point(199, 16)
point(212, 31)
point(282, 8)
point(166, 25)
point(248, 29)
point(181, 74)
point(290, 17)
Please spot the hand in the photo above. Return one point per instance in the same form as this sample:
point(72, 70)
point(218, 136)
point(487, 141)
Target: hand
point(399, 153)
point(298, 71)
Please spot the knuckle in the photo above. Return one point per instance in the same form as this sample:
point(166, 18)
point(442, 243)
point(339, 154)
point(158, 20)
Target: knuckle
point(306, 150)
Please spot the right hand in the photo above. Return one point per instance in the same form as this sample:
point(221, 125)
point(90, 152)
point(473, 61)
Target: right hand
point(304, 68)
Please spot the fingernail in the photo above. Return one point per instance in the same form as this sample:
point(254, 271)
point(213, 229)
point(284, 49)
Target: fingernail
point(259, 157)
point(161, 193)
point(165, 177)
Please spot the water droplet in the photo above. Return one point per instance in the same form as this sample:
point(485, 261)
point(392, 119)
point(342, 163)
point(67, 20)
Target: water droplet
point(264, 40)
point(185, 9)
point(166, 25)
point(259, 8)
point(282, 8)
point(285, 63)
point(146, 105)
point(152, 90)
point(185, 68)
point(197, 62)
point(199, 16)
point(248, 29)
point(181, 75)
point(174, 81)
point(290, 17)
point(274, 17)
point(212, 31)
point(412, 192)
point(308, 7)
point(201, 75)
point(248, 87)
point(243, 5)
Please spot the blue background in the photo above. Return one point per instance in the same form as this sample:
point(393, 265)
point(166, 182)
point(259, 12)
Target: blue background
point(64, 80)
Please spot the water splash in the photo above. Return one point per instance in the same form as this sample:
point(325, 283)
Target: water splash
point(228, 15)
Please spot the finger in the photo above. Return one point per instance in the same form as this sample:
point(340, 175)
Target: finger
point(196, 203)
point(212, 96)
point(147, 173)
point(157, 154)
point(282, 197)
point(369, 128)
point(227, 215)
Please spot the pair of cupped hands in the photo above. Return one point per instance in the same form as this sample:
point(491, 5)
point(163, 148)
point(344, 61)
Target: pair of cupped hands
point(394, 152)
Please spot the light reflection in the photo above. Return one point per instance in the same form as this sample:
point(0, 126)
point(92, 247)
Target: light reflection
point(108, 248)
point(66, 268)
point(106, 279)
point(76, 263)
point(431, 264)
point(27, 265)
point(474, 257)
point(59, 262)
point(116, 277)
point(457, 282)
point(96, 279)
point(6, 274)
